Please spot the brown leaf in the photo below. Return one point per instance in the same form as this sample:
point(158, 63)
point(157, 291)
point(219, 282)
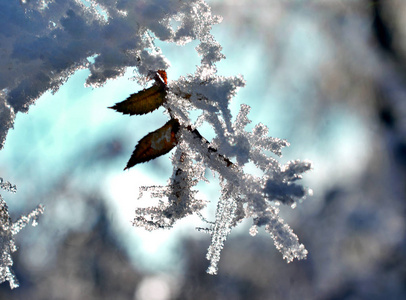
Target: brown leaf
point(143, 102)
point(156, 143)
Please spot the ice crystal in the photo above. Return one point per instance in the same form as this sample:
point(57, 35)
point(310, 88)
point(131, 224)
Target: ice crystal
point(243, 195)
point(47, 41)
point(8, 230)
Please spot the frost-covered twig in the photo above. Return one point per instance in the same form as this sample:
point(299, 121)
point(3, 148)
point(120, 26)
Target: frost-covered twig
point(8, 230)
point(243, 195)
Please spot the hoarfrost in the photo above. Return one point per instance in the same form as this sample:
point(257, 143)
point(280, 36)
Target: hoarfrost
point(243, 195)
point(8, 229)
point(44, 42)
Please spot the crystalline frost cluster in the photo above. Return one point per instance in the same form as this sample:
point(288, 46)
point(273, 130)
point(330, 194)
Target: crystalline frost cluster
point(46, 41)
point(243, 195)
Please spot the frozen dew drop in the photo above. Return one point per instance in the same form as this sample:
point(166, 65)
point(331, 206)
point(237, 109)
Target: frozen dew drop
point(253, 230)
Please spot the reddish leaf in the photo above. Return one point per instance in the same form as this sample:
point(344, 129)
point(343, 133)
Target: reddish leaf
point(156, 143)
point(162, 76)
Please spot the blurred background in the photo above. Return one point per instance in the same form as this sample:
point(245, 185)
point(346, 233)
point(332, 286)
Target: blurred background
point(327, 75)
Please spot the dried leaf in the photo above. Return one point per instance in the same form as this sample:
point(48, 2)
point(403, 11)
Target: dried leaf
point(142, 102)
point(156, 143)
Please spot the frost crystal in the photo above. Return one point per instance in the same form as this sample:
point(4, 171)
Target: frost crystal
point(47, 41)
point(243, 195)
point(8, 230)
